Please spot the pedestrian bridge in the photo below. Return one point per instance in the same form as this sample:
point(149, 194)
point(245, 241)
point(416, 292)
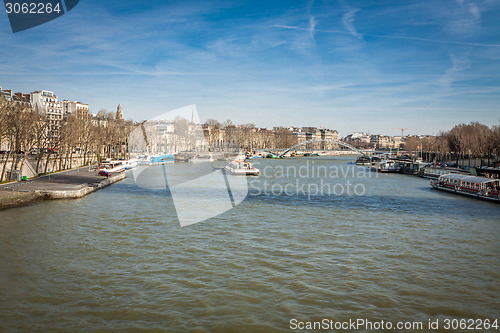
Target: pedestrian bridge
point(340, 143)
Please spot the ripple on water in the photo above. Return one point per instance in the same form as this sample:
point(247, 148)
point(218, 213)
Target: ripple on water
point(118, 260)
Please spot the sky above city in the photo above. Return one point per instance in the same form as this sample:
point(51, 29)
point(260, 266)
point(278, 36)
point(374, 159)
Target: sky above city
point(372, 66)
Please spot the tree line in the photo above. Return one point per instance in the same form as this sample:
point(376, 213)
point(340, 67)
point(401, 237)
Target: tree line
point(221, 136)
point(464, 141)
point(25, 132)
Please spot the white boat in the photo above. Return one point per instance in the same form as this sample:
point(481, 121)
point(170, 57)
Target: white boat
point(112, 166)
point(155, 159)
point(472, 186)
point(242, 168)
point(201, 158)
point(385, 166)
point(130, 164)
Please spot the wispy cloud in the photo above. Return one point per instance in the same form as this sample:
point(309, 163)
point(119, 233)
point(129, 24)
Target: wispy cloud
point(312, 25)
point(448, 82)
point(464, 18)
point(459, 63)
point(421, 39)
point(312, 19)
point(438, 41)
point(348, 22)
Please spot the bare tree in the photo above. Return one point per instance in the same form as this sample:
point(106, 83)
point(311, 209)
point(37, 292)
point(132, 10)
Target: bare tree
point(284, 138)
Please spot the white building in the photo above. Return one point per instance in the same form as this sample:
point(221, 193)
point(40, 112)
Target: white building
point(358, 137)
point(45, 102)
point(6, 94)
point(74, 107)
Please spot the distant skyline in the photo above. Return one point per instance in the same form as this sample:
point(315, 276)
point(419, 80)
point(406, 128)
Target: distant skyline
point(353, 66)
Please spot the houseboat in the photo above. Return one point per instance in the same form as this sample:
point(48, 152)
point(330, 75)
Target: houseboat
point(436, 172)
point(385, 166)
point(242, 168)
point(112, 166)
point(367, 160)
point(363, 160)
point(472, 186)
point(155, 159)
point(130, 164)
point(201, 158)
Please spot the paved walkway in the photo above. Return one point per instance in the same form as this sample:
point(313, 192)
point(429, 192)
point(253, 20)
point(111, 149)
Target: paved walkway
point(66, 180)
point(22, 193)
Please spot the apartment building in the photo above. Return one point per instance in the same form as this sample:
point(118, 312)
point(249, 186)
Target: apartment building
point(45, 102)
point(74, 107)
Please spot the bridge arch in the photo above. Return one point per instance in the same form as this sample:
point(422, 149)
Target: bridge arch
point(322, 140)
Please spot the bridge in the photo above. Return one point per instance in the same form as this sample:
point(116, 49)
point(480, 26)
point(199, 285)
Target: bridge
point(341, 143)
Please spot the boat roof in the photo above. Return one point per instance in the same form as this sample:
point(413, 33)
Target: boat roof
point(467, 178)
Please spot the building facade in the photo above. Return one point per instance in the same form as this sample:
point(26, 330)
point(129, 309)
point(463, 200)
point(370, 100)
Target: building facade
point(74, 107)
point(46, 102)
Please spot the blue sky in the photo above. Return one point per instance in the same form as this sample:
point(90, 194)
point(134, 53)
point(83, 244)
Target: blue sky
point(348, 65)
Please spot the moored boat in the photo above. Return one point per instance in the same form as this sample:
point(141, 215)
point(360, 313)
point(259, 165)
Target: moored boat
point(363, 160)
point(201, 158)
point(385, 166)
point(253, 156)
point(472, 186)
point(367, 160)
point(271, 155)
point(162, 159)
point(130, 164)
point(112, 166)
point(155, 159)
point(242, 168)
point(435, 172)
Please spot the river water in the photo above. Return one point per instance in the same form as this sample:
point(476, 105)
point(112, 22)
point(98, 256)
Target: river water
point(347, 245)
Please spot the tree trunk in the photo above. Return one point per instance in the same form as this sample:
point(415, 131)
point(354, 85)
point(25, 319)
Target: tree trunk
point(60, 162)
point(85, 156)
point(14, 166)
point(5, 166)
point(38, 160)
point(47, 163)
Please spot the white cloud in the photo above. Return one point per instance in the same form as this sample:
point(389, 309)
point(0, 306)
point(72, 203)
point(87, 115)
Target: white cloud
point(348, 22)
point(312, 25)
point(464, 19)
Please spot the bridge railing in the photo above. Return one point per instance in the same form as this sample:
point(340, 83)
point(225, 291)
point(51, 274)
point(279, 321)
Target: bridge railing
point(341, 143)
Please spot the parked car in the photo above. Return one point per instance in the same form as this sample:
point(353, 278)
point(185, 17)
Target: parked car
point(104, 173)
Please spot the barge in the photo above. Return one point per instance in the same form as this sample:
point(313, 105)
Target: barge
point(472, 186)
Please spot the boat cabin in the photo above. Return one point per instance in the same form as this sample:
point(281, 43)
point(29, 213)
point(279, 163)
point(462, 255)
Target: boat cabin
point(469, 183)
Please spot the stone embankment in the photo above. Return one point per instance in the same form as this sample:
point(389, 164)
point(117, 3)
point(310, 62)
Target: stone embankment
point(65, 185)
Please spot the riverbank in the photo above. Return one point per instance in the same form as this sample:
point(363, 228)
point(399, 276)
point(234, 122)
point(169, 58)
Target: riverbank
point(65, 185)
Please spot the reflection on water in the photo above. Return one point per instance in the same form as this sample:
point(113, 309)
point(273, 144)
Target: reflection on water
point(118, 259)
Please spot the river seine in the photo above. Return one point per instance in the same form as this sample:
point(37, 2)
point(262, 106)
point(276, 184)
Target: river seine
point(328, 241)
